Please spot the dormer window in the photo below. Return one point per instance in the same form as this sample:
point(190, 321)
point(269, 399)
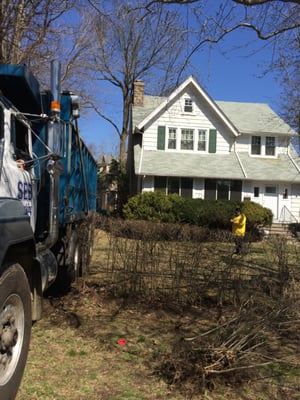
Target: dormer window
point(270, 146)
point(188, 105)
point(256, 145)
point(263, 146)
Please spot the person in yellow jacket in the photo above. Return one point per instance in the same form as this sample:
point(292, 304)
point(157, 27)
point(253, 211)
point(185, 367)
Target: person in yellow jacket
point(239, 229)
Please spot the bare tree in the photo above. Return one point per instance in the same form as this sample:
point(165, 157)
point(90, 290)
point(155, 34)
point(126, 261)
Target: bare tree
point(25, 27)
point(274, 22)
point(129, 47)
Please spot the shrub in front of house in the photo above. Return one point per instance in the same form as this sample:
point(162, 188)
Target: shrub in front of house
point(158, 207)
point(257, 215)
point(153, 206)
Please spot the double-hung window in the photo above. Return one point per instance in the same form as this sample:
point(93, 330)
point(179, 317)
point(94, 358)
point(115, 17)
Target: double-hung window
point(202, 140)
point(263, 146)
point(187, 139)
point(270, 146)
point(256, 145)
point(172, 138)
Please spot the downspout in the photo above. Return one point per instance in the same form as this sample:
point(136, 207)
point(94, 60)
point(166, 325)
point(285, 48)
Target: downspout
point(239, 161)
point(140, 167)
point(141, 159)
point(291, 158)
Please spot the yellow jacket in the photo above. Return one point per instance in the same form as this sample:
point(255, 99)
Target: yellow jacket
point(239, 225)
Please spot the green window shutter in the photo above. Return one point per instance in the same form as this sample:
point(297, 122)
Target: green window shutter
point(161, 136)
point(212, 145)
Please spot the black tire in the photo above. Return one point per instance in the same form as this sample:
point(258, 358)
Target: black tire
point(77, 261)
point(69, 268)
point(15, 329)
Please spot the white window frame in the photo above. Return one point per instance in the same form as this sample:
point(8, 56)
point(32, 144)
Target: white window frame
point(264, 147)
point(188, 105)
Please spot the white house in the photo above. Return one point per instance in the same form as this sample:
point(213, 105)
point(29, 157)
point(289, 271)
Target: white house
point(189, 144)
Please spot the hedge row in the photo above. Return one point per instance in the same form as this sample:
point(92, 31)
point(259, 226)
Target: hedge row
point(158, 207)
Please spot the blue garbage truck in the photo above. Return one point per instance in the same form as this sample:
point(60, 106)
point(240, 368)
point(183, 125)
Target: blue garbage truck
point(48, 189)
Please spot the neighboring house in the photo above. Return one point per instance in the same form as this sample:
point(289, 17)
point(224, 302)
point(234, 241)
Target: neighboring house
point(189, 144)
point(107, 188)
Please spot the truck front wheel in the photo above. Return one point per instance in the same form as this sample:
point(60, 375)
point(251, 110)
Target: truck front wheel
point(15, 328)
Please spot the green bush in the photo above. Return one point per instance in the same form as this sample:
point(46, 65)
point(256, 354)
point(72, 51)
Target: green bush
point(257, 214)
point(158, 207)
point(153, 206)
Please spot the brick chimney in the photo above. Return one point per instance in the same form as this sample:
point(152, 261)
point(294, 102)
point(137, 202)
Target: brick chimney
point(138, 93)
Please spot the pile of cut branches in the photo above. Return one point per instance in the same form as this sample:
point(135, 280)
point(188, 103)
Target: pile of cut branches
point(245, 347)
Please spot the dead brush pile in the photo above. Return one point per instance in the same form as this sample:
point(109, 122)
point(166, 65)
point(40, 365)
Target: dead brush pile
point(244, 344)
point(253, 332)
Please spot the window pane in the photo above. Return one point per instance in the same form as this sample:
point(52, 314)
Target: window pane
point(210, 186)
point(172, 138)
point(173, 185)
point(187, 187)
point(256, 191)
point(160, 183)
point(270, 146)
point(271, 190)
point(201, 140)
point(236, 190)
point(223, 190)
point(187, 139)
point(255, 145)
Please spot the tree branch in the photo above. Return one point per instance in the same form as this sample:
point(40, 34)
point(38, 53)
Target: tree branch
point(250, 3)
point(92, 106)
point(247, 3)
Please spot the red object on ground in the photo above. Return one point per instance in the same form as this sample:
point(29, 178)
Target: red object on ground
point(122, 342)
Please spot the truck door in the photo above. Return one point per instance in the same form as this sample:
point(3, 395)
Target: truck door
point(17, 177)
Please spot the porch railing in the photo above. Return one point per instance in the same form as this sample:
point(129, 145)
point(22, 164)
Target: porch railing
point(287, 216)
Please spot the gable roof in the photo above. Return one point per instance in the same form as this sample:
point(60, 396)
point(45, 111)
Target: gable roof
point(152, 107)
point(239, 117)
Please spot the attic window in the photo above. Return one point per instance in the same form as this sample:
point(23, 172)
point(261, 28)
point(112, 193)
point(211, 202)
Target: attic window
point(188, 105)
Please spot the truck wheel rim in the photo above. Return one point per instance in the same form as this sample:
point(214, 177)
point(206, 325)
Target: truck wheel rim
point(11, 336)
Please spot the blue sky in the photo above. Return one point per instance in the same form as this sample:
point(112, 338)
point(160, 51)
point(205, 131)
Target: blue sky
point(228, 71)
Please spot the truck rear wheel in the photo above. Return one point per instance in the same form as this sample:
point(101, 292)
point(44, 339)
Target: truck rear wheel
point(69, 267)
point(15, 329)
